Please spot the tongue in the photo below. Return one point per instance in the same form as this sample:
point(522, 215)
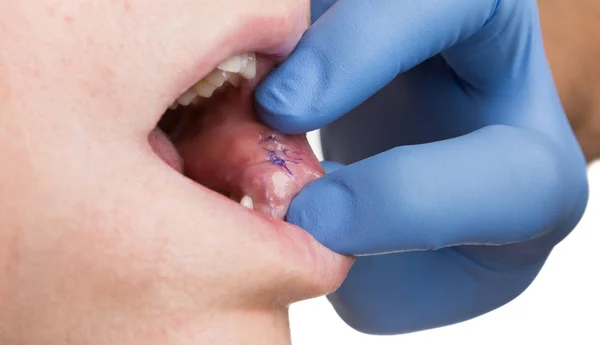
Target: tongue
point(227, 149)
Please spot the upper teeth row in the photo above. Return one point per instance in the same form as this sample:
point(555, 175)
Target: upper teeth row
point(230, 70)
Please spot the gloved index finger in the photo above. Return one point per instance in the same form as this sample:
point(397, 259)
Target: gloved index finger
point(357, 47)
point(318, 7)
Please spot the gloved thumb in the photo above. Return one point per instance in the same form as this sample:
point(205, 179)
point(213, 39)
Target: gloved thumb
point(443, 194)
point(357, 47)
point(330, 166)
point(318, 7)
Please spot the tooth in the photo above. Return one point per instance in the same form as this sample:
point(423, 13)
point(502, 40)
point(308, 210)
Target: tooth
point(231, 70)
point(250, 71)
point(204, 89)
point(247, 202)
point(233, 64)
point(234, 80)
point(243, 62)
point(186, 98)
point(218, 77)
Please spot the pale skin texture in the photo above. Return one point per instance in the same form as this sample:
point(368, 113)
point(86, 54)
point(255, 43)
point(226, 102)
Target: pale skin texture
point(572, 40)
point(101, 242)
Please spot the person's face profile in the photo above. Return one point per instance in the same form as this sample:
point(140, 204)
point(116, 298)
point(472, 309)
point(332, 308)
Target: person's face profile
point(102, 74)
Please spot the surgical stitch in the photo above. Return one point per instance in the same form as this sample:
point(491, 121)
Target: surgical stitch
point(269, 138)
point(277, 160)
point(273, 158)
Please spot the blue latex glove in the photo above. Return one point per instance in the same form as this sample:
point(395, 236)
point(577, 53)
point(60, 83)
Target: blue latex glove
point(462, 173)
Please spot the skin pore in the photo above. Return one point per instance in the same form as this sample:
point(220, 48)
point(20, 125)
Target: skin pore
point(101, 242)
point(572, 40)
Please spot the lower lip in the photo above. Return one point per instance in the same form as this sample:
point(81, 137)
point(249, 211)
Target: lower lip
point(292, 240)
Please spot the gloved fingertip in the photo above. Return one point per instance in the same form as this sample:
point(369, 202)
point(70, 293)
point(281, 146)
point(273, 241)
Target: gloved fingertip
point(330, 166)
point(325, 210)
point(289, 100)
point(275, 119)
point(277, 105)
point(318, 7)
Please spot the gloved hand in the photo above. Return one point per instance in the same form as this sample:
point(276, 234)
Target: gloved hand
point(462, 173)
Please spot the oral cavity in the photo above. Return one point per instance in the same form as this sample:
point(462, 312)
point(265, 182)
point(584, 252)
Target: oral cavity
point(227, 149)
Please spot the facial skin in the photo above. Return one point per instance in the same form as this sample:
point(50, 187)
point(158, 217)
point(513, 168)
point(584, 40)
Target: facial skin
point(572, 41)
point(101, 241)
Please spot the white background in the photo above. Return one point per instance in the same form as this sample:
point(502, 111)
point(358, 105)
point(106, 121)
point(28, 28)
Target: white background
point(562, 305)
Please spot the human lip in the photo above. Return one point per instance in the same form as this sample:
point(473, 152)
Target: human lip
point(269, 33)
point(222, 149)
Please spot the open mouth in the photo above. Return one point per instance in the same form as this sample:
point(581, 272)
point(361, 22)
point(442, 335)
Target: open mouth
point(225, 147)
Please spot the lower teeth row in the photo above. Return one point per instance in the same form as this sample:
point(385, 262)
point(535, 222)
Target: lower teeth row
point(230, 71)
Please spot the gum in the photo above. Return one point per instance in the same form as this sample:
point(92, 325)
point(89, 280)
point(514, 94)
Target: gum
point(236, 155)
